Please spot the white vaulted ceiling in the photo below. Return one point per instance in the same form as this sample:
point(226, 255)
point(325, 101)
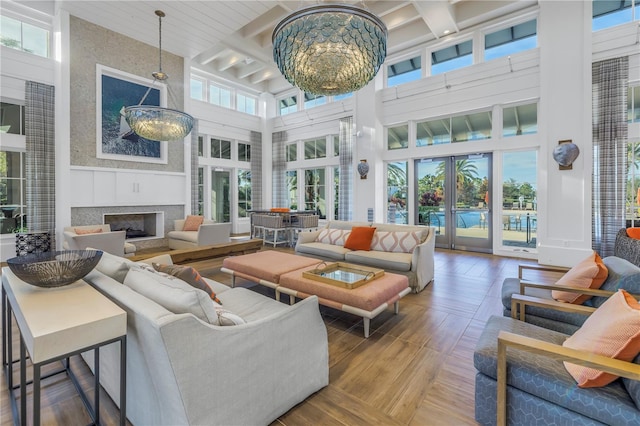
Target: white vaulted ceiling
point(233, 38)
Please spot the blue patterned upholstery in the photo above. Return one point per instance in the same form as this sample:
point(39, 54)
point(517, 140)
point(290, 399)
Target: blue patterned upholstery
point(540, 391)
point(622, 274)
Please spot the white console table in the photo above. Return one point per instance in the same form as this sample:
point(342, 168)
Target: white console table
point(55, 324)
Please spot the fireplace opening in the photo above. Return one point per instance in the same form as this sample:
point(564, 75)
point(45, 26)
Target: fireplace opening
point(137, 225)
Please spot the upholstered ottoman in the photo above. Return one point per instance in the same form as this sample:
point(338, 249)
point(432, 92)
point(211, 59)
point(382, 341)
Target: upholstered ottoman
point(264, 267)
point(366, 301)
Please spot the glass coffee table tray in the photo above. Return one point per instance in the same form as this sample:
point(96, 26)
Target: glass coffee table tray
point(345, 275)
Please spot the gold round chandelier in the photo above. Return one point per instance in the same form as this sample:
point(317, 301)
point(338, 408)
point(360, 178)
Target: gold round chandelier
point(330, 49)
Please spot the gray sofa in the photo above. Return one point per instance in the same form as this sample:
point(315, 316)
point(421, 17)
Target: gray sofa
point(417, 265)
point(626, 247)
point(622, 274)
point(182, 370)
point(539, 390)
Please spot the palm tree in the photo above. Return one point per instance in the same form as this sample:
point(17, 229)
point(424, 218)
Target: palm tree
point(466, 171)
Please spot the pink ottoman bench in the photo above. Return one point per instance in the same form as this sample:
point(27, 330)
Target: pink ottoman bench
point(283, 272)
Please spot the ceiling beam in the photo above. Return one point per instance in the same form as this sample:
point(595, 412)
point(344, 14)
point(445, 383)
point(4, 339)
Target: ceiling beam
point(265, 22)
point(211, 54)
point(438, 15)
point(252, 68)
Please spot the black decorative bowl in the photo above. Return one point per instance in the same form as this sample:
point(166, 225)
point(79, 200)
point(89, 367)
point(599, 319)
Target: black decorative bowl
point(56, 268)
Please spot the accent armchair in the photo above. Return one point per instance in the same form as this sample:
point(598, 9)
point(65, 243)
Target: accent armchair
point(98, 237)
point(208, 233)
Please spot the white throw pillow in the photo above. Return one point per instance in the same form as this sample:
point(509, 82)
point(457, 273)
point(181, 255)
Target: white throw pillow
point(395, 241)
point(172, 293)
point(226, 317)
point(336, 237)
point(113, 266)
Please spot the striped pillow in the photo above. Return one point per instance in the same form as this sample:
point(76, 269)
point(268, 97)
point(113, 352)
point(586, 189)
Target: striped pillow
point(335, 237)
point(395, 241)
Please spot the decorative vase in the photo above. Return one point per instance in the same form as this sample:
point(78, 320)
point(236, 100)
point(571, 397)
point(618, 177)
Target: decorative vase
point(363, 169)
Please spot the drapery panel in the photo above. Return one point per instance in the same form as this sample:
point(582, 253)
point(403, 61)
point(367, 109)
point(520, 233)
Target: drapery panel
point(280, 195)
point(609, 103)
point(345, 186)
point(194, 167)
point(40, 157)
point(256, 170)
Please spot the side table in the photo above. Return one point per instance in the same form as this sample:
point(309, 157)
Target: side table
point(55, 324)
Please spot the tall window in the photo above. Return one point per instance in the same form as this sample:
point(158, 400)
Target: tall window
point(200, 146)
point(291, 152)
point(398, 137)
point(510, 40)
point(244, 192)
point(397, 192)
point(316, 148)
point(23, 36)
point(220, 149)
point(219, 96)
point(311, 100)
point(247, 104)
point(336, 145)
point(11, 118)
point(12, 192)
point(452, 57)
point(292, 189)
point(315, 191)
point(633, 104)
point(405, 71)
point(632, 190)
point(200, 191)
point(244, 152)
point(288, 105)
point(519, 199)
point(520, 120)
point(336, 192)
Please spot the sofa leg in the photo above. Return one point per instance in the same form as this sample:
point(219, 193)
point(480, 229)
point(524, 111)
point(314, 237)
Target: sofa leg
point(396, 307)
point(367, 322)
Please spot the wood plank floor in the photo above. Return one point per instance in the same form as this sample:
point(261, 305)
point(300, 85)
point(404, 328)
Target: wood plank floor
point(416, 368)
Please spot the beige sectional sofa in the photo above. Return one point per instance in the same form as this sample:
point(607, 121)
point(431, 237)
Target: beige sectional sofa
point(400, 249)
point(184, 370)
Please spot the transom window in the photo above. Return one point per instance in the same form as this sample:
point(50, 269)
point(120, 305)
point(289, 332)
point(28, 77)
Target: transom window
point(452, 57)
point(220, 148)
point(291, 152)
point(460, 128)
point(25, 37)
point(311, 100)
point(398, 137)
point(197, 89)
point(510, 40)
point(316, 148)
point(288, 105)
point(219, 96)
point(404, 71)
point(609, 13)
point(244, 152)
point(246, 104)
point(520, 120)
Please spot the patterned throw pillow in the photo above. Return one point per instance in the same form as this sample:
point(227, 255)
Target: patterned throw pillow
point(80, 231)
point(188, 275)
point(396, 241)
point(590, 273)
point(192, 223)
point(613, 330)
point(335, 237)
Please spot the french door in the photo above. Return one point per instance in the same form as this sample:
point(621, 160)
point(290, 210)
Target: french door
point(454, 197)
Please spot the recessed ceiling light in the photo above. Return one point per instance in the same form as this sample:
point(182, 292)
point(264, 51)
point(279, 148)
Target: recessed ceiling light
point(446, 32)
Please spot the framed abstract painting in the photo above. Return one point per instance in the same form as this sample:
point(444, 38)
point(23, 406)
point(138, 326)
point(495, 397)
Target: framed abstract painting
point(114, 138)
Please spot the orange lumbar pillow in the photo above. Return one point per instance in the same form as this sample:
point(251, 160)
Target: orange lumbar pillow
point(360, 238)
point(613, 330)
point(590, 273)
point(633, 233)
point(81, 231)
point(280, 209)
point(192, 223)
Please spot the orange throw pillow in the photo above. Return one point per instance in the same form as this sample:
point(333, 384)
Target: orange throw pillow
point(633, 233)
point(80, 231)
point(590, 273)
point(613, 330)
point(360, 238)
point(192, 223)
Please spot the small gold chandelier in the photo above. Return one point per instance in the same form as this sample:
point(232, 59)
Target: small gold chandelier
point(330, 49)
point(157, 123)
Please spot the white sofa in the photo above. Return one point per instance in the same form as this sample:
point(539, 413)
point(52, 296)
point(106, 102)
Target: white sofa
point(417, 264)
point(207, 234)
point(106, 240)
point(182, 370)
